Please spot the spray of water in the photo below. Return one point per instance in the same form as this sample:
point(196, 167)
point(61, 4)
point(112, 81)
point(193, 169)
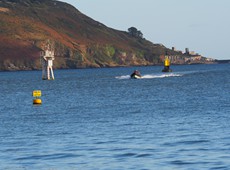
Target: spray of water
point(152, 76)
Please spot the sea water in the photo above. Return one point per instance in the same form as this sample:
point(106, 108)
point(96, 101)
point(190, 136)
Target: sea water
point(101, 119)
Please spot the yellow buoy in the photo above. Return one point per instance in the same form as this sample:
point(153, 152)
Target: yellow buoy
point(167, 62)
point(37, 94)
point(37, 101)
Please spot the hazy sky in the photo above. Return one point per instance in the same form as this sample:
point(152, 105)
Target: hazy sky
point(202, 26)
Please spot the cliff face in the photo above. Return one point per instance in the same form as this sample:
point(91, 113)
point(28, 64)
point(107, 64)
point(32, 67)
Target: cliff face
point(79, 41)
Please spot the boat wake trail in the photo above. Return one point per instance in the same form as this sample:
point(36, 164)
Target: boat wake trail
point(152, 76)
point(161, 75)
point(123, 77)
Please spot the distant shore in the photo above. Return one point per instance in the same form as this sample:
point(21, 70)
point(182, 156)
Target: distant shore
point(223, 61)
point(10, 69)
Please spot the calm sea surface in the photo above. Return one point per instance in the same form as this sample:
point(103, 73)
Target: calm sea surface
point(99, 119)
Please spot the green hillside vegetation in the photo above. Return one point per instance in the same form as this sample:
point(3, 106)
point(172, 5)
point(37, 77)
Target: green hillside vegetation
point(79, 41)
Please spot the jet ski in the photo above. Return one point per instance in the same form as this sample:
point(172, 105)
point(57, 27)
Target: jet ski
point(136, 75)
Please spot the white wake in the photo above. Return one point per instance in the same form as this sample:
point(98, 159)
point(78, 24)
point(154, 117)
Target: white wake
point(152, 76)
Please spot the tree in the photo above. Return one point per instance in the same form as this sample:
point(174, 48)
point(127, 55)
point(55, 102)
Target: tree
point(135, 33)
point(139, 34)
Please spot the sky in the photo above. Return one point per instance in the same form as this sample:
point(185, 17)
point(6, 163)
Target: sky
point(203, 26)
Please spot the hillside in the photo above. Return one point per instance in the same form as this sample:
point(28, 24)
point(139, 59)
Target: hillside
point(79, 40)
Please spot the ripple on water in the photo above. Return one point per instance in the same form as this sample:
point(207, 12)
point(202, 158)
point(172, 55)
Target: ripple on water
point(49, 156)
point(188, 142)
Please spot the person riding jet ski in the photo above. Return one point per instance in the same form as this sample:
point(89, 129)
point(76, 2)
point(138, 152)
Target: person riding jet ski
point(136, 74)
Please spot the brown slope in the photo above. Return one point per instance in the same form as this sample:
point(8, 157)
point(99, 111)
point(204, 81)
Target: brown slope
point(79, 41)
